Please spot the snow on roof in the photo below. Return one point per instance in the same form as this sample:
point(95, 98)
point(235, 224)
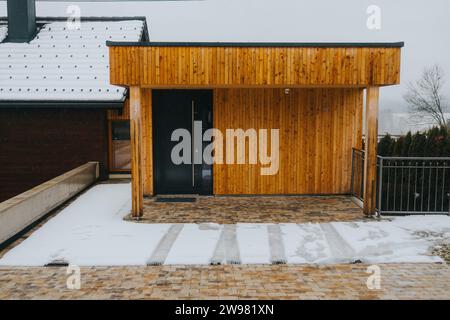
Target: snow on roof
point(62, 64)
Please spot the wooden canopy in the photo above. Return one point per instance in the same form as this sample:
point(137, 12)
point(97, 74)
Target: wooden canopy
point(158, 65)
point(173, 65)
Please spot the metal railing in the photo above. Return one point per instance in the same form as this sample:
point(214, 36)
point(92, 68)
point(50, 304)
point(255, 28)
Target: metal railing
point(357, 179)
point(406, 185)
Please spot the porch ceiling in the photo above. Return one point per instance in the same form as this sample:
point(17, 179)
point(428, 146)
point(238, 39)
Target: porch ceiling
point(209, 65)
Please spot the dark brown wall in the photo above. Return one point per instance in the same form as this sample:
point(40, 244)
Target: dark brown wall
point(39, 144)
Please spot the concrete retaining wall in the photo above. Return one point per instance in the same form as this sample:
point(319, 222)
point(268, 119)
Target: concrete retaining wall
point(21, 211)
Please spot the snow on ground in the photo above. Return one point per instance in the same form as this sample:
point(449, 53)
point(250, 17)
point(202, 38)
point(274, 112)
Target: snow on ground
point(91, 231)
point(3, 32)
point(305, 243)
point(195, 244)
point(249, 238)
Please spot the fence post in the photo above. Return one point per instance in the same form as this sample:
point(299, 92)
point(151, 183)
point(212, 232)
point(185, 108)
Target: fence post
point(353, 173)
point(448, 195)
point(380, 184)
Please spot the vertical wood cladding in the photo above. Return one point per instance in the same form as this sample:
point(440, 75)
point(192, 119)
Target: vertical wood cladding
point(207, 66)
point(39, 144)
point(147, 141)
point(318, 128)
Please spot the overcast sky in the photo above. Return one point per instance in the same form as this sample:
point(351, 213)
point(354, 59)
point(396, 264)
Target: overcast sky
point(423, 25)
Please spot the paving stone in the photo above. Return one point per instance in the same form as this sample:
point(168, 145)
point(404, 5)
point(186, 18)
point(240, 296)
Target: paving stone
point(399, 281)
point(258, 209)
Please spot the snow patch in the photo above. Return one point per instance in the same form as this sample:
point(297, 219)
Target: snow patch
point(305, 243)
point(195, 244)
point(253, 243)
point(3, 32)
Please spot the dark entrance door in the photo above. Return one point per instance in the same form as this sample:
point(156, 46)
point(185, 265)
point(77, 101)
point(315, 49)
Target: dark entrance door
point(179, 109)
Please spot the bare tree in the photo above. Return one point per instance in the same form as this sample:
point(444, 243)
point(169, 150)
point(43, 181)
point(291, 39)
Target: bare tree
point(425, 99)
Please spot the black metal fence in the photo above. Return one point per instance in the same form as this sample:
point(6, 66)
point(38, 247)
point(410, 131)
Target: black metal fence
point(406, 185)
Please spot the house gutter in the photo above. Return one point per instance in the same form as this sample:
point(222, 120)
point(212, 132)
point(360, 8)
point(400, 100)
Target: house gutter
point(62, 104)
point(260, 44)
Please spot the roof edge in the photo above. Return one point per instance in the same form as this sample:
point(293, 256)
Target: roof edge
point(43, 20)
point(91, 18)
point(50, 104)
point(259, 44)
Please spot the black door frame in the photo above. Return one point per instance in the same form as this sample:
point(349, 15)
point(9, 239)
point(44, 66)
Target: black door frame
point(202, 173)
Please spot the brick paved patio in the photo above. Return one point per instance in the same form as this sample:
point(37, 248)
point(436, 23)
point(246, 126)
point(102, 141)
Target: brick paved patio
point(398, 281)
point(258, 209)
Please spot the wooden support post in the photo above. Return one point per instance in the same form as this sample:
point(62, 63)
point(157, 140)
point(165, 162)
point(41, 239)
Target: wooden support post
point(370, 162)
point(136, 152)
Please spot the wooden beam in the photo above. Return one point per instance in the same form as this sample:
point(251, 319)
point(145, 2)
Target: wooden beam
point(370, 163)
point(136, 151)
